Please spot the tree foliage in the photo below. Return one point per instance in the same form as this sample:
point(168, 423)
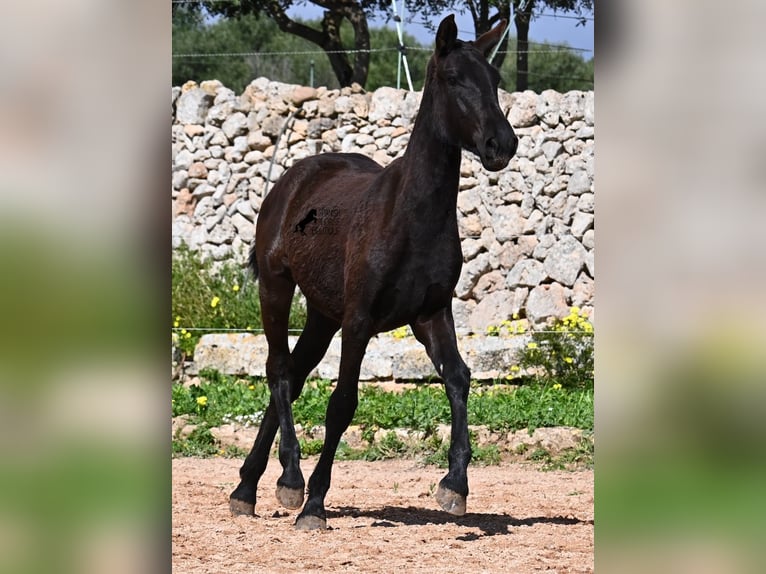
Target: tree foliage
point(487, 13)
point(283, 57)
point(349, 60)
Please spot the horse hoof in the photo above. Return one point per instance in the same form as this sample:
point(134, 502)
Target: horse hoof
point(290, 497)
point(241, 508)
point(310, 522)
point(451, 501)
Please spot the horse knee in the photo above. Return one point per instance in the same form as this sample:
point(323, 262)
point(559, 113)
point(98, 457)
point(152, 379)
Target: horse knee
point(458, 382)
point(278, 367)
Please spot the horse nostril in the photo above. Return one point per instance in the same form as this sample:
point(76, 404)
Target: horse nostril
point(491, 145)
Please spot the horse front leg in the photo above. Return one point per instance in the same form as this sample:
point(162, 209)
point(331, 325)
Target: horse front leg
point(340, 412)
point(437, 334)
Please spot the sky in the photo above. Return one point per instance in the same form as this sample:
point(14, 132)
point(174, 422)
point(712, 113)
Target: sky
point(558, 29)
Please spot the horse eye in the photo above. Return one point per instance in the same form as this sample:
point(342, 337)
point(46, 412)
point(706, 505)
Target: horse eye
point(452, 80)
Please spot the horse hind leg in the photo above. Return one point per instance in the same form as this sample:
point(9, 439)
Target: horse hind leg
point(309, 350)
point(242, 500)
point(438, 337)
point(276, 295)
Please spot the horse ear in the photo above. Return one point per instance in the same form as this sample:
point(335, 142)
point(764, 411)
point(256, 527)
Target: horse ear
point(486, 42)
point(446, 35)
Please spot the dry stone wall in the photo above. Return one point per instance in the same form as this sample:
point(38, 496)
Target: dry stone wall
point(527, 231)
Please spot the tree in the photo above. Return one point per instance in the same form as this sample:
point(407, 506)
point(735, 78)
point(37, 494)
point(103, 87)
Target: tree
point(482, 22)
point(275, 55)
point(556, 68)
point(523, 13)
point(350, 64)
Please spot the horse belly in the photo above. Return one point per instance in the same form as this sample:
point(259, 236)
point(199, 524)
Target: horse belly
point(318, 271)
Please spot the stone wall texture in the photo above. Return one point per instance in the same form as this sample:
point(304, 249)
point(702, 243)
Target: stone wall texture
point(527, 231)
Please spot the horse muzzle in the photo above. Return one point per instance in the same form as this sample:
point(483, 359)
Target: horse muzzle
point(497, 150)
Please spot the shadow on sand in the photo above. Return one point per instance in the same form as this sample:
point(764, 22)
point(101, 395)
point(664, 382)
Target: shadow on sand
point(489, 524)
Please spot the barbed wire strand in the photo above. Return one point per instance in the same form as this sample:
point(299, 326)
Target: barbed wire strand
point(320, 52)
point(261, 331)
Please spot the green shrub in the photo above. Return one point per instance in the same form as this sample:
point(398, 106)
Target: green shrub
point(560, 355)
point(563, 354)
point(207, 298)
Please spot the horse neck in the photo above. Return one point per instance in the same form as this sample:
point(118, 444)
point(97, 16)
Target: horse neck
point(430, 160)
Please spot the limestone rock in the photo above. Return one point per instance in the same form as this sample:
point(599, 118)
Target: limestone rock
point(302, 94)
point(579, 183)
point(571, 107)
point(491, 310)
point(527, 272)
point(508, 222)
point(470, 274)
point(546, 301)
point(235, 125)
point(192, 106)
point(548, 107)
point(523, 112)
point(565, 260)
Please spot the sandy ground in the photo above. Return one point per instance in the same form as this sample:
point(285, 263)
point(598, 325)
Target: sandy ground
point(383, 518)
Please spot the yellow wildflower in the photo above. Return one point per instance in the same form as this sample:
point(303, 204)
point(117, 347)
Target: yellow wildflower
point(531, 345)
point(569, 360)
point(214, 301)
point(251, 387)
point(235, 288)
point(202, 401)
point(400, 332)
point(175, 323)
point(557, 386)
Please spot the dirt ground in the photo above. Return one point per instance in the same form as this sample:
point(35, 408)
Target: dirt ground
point(383, 518)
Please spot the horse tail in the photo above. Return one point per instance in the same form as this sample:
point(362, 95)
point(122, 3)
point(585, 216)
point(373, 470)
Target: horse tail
point(253, 263)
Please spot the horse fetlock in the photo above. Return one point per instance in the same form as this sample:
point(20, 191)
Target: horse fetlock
point(451, 501)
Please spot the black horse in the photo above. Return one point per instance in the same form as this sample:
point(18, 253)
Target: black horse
point(395, 260)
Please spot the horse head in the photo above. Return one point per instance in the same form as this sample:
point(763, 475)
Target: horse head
point(464, 87)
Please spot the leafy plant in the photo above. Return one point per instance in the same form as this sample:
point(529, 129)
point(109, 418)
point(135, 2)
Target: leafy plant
point(561, 354)
point(579, 456)
point(207, 298)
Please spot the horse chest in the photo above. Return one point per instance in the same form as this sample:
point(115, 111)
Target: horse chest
point(417, 283)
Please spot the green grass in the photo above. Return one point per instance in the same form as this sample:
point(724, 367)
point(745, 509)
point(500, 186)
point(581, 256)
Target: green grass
point(220, 399)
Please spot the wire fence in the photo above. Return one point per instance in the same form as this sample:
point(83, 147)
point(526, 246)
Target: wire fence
point(349, 51)
point(259, 331)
